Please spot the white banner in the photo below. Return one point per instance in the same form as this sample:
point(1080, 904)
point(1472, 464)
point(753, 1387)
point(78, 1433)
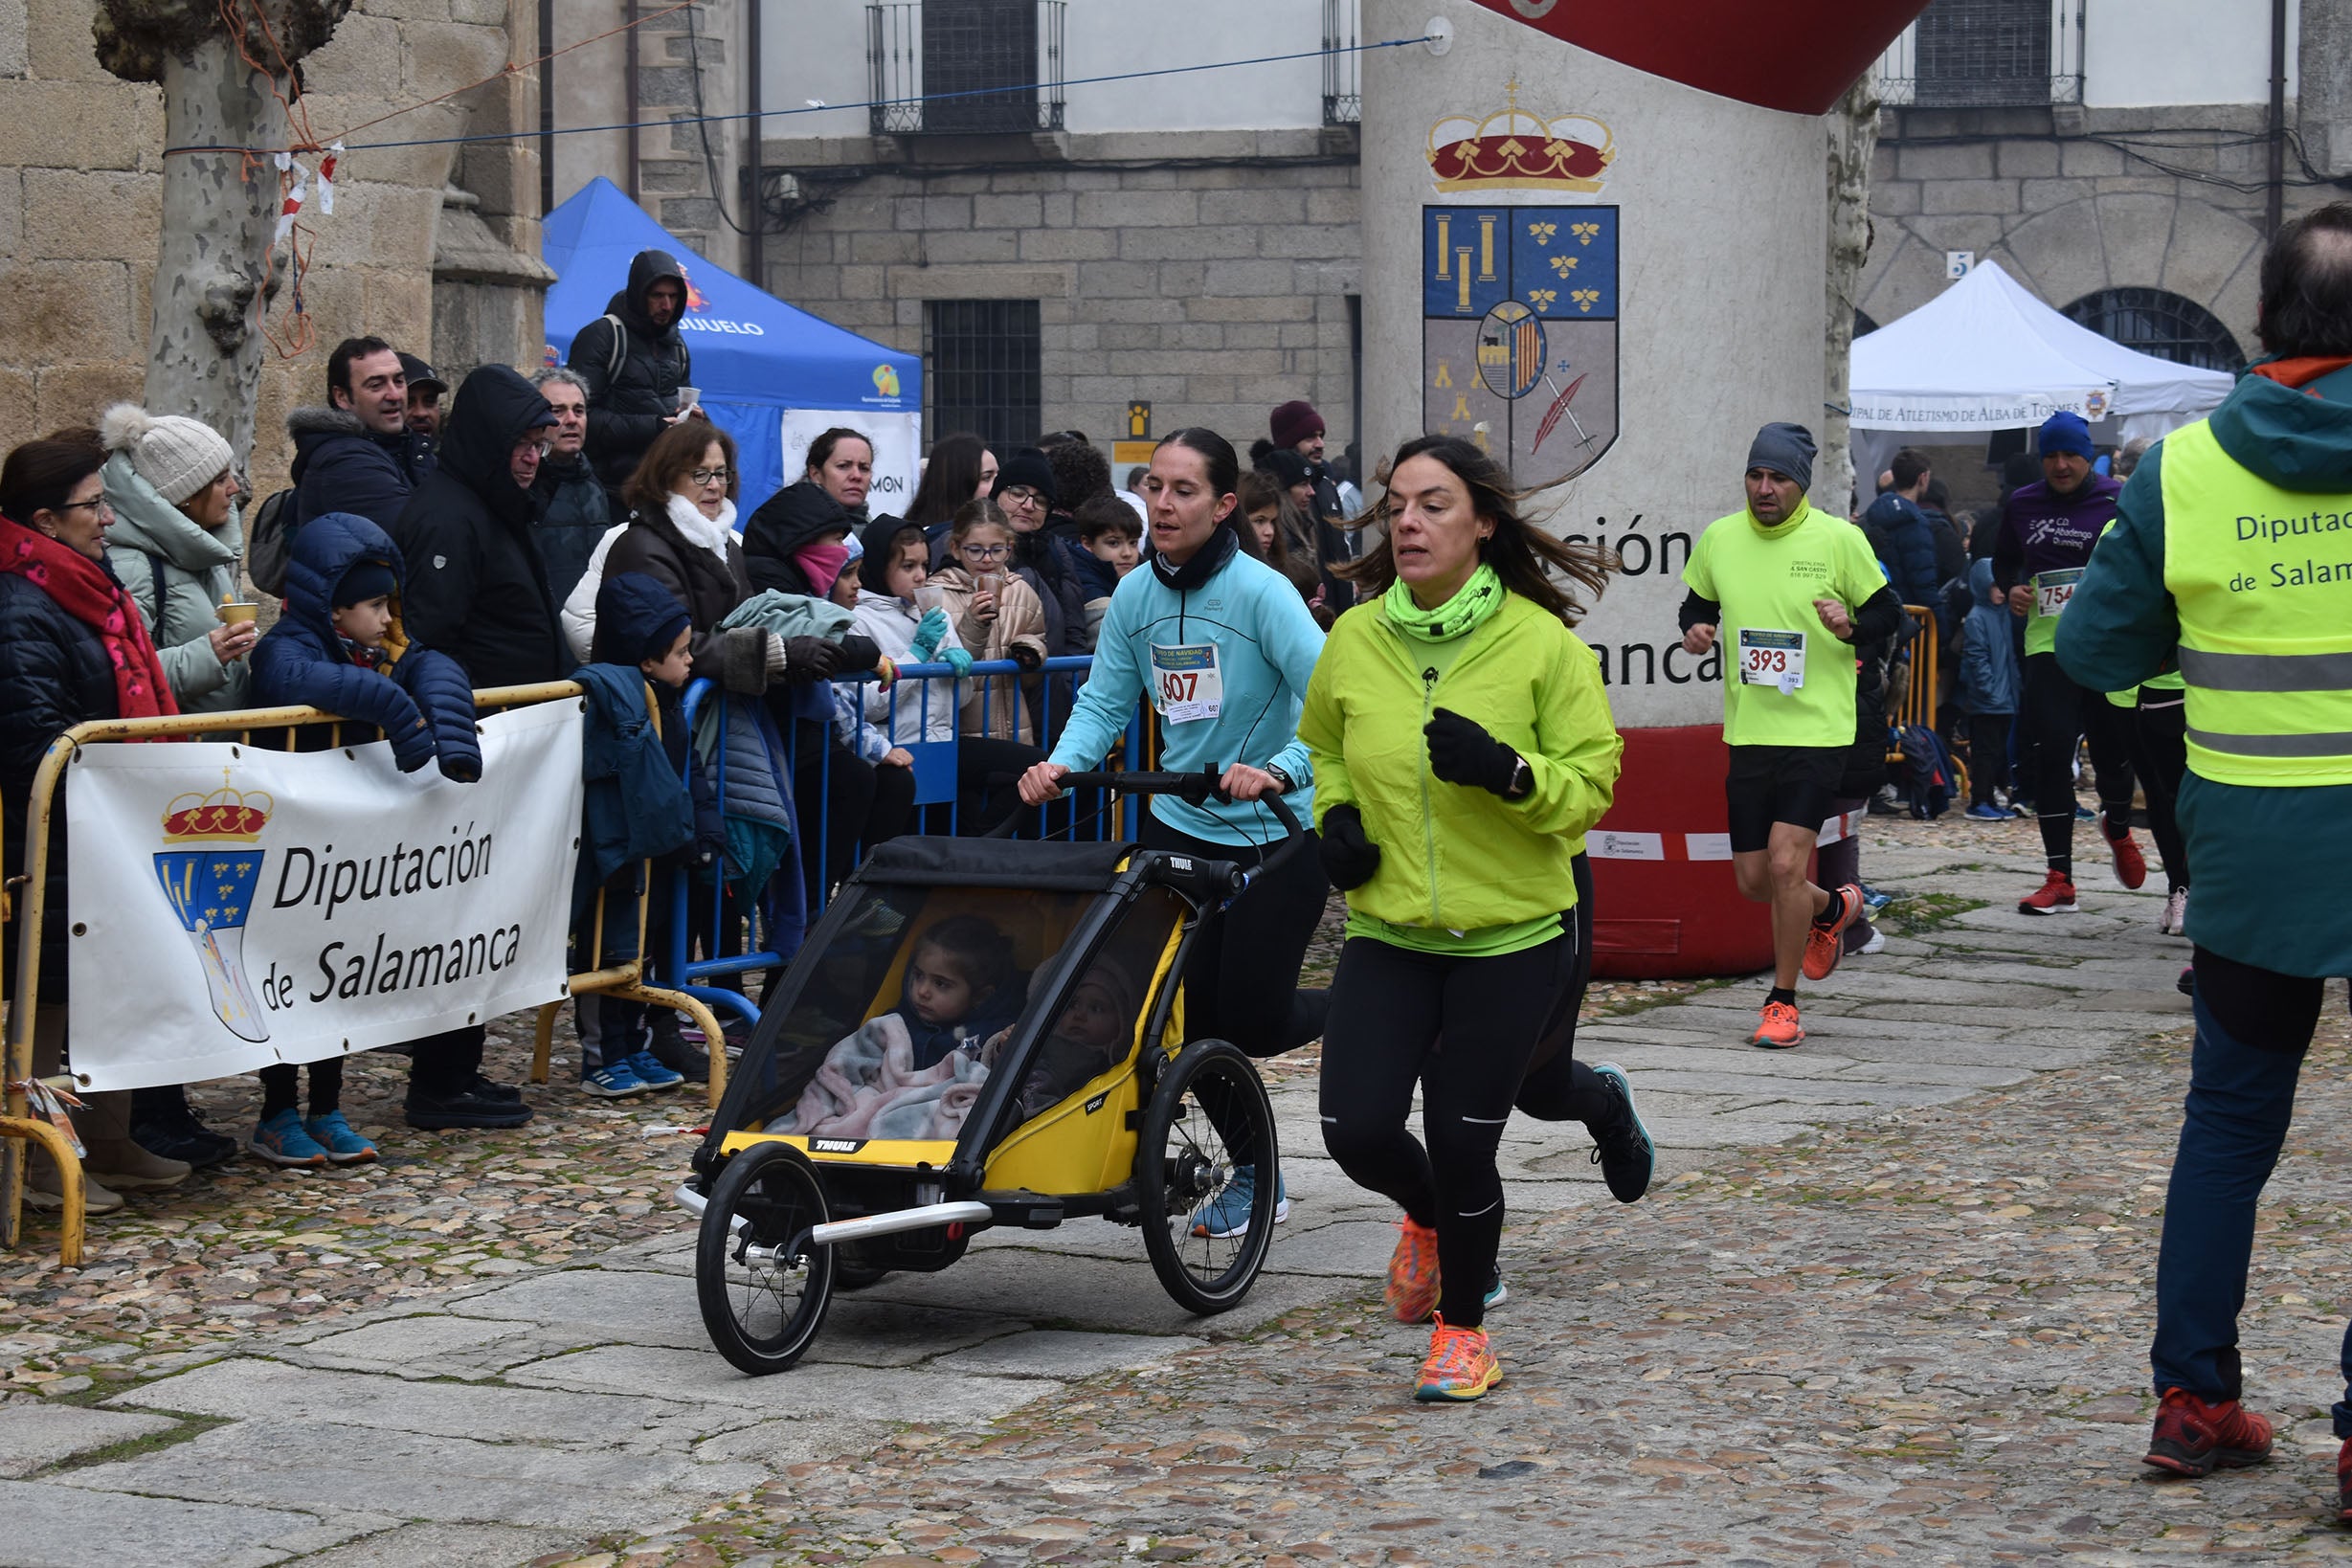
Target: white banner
point(232, 908)
point(898, 451)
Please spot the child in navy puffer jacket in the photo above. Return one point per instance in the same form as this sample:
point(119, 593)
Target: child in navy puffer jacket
point(339, 647)
point(1989, 679)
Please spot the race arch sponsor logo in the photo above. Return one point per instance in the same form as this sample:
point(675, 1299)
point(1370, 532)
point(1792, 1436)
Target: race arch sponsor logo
point(886, 380)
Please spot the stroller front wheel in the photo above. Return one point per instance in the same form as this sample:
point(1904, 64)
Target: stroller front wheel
point(1207, 1162)
point(763, 1289)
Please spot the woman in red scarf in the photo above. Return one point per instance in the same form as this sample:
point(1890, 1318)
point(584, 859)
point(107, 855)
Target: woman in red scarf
point(72, 649)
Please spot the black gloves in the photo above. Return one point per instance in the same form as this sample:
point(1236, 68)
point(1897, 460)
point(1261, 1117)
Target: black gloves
point(811, 659)
point(1349, 857)
point(858, 653)
point(1460, 752)
point(1025, 656)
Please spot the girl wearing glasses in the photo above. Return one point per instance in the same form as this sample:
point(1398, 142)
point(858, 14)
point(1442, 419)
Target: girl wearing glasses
point(996, 614)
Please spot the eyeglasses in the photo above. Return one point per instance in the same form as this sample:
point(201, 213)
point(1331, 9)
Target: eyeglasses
point(985, 552)
point(540, 448)
point(708, 476)
point(100, 504)
point(1024, 494)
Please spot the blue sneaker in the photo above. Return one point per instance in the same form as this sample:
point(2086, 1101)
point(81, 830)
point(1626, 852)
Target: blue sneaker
point(1624, 1150)
point(652, 1074)
point(281, 1141)
point(1984, 810)
point(342, 1145)
point(1228, 1213)
point(617, 1081)
point(1498, 1292)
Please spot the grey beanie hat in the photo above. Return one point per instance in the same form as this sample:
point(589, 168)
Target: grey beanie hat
point(175, 455)
point(1784, 449)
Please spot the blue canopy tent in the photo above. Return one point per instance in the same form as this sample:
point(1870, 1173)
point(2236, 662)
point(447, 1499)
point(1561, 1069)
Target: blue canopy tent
point(770, 376)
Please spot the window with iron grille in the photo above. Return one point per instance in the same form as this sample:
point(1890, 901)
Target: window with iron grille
point(965, 66)
point(2157, 323)
point(1984, 54)
point(981, 367)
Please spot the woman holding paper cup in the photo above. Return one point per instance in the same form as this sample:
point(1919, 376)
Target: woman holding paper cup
point(176, 543)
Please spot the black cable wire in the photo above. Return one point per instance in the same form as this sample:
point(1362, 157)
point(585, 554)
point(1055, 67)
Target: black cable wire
point(701, 126)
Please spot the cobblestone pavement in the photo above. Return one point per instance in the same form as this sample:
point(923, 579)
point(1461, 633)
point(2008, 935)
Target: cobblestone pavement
point(1888, 1302)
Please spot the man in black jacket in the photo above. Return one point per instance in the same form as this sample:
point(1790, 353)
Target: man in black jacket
point(357, 454)
point(478, 586)
point(477, 591)
point(634, 360)
point(577, 512)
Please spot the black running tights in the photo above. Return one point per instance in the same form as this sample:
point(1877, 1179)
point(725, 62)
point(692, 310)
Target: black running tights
point(1558, 1087)
point(2159, 757)
point(2058, 713)
point(1389, 1008)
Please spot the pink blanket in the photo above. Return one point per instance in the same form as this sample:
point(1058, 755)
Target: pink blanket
point(869, 1088)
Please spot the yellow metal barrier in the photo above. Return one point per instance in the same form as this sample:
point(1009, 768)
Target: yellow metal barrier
point(1919, 704)
point(625, 980)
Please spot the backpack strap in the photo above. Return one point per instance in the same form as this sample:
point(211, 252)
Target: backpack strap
point(619, 355)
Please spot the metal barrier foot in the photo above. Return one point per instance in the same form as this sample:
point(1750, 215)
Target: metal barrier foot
point(69, 1180)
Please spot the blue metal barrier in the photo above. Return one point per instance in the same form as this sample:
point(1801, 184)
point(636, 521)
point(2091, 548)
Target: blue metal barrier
point(775, 918)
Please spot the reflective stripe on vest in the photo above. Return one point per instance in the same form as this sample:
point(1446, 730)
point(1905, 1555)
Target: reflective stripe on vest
point(2262, 580)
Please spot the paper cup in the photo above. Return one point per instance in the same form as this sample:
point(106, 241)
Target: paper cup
point(234, 615)
point(688, 397)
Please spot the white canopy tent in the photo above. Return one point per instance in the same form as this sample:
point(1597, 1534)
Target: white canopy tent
point(1987, 355)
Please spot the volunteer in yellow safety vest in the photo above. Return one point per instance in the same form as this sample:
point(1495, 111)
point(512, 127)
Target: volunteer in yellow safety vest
point(2233, 554)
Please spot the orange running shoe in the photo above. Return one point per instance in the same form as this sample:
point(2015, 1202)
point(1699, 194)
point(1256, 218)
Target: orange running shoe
point(1412, 1291)
point(1779, 1029)
point(2194, 1438)
point(1461, 1366)
point(1824, 945)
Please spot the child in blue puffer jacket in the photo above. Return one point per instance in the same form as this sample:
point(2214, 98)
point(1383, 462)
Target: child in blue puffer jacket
point(1989, 679)
point(339, 647)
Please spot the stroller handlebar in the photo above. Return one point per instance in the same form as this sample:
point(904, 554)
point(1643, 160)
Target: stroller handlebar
point(1196, 788)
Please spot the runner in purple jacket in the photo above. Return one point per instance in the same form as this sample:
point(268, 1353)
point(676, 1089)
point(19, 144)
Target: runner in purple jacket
point(2046, 532)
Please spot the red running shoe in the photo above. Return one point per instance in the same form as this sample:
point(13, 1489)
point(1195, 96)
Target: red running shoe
point(1825, 944)
point(2055, 896)
point(2344, 1482)
point(1412, 1292)
point(2131, 866)
point(2194, 1438)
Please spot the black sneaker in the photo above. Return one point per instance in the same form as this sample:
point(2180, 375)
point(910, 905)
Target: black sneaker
point(689, 1061)
point(1624, 1150)
point(464, 1108)
point(485, 1088)
point(164, 1125)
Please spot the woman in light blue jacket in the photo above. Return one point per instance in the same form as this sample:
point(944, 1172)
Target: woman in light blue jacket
point(1222, 645)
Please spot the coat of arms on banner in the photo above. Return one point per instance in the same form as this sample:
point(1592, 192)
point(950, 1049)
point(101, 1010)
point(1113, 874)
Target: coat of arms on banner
point(208, 876)
point(1519, 333)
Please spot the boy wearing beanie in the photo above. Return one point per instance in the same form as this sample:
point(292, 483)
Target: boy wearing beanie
point(340, 647)
point(640, 806)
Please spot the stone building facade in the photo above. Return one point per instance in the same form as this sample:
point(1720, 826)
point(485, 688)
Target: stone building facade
point(1210, 263)
point(433, 248)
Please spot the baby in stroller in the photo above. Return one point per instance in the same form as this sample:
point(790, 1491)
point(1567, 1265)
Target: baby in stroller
point(915, 1071)
point(1091, 1037)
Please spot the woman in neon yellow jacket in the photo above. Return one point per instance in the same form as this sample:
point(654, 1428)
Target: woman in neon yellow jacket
point(1461, 747)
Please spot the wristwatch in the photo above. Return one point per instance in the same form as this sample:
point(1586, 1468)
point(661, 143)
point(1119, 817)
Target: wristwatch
point(1281, 778)
point(1522, 780)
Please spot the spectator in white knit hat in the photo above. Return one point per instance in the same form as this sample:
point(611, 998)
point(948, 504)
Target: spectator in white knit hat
point(175, 545)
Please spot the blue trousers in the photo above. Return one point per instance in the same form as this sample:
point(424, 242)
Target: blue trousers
point(2252, 1030)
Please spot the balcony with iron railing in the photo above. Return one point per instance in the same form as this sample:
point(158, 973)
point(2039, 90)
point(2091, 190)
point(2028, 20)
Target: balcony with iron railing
point(1986, 54)
point(964, 67)
point(1343, 101)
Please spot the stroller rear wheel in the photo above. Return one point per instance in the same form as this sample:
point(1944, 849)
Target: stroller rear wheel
point(1209, 1122)
point(763, 1287)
